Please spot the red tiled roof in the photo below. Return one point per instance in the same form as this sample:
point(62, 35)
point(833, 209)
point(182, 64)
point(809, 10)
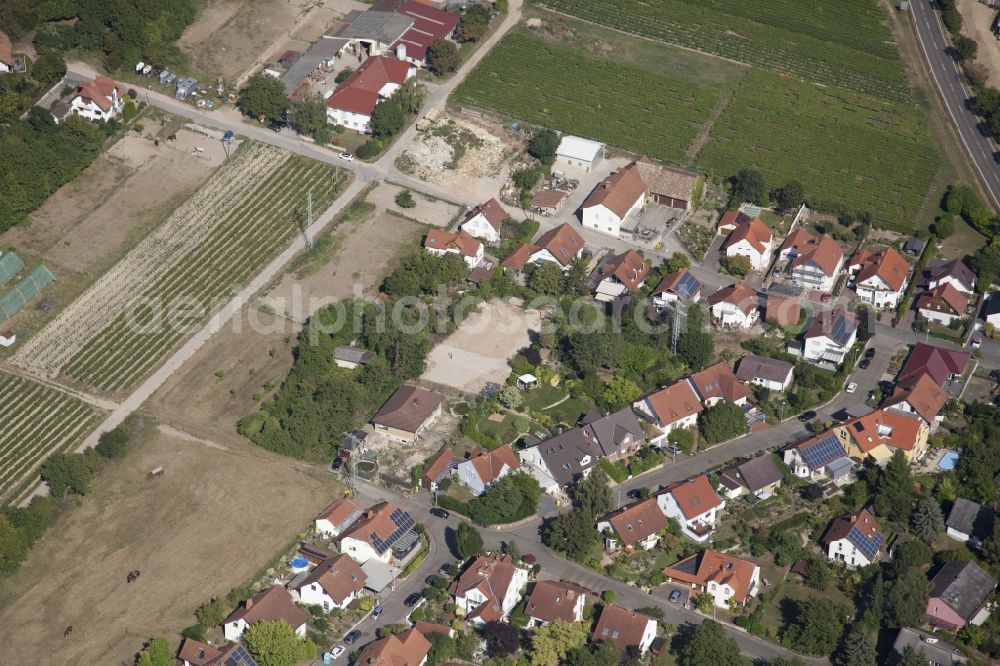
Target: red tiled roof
point(637, 521)
point(338, 511)
point(671, 280)
point(438, 464)
point(551, 601)
point(339, 576)
point(440, 239)
point(889, 265)
point(375, 522)
point(408, 409)
point(196, 653)
point(432, 628)
point(841, 526)
point(938, 362)
point(359, 93)
point(741, 294)
point(719, 381)
point(924, 396)
point(694, 496)
point(674, 402)
point(563, 242)
point(821, 250)
point(628, 268)
point(274, 603)
point(884, 426)
point(944, 298)
point(619, 191)
point(409, 648)
point(622, 626)
point(754, 231)
point(519, 257)
point(489, 464)
point(429, 25)
point(713, 566)
point(491, 575)
point(492, 211)
point(6, 53)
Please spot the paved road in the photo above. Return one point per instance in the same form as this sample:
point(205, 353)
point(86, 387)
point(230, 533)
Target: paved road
point(945, 72)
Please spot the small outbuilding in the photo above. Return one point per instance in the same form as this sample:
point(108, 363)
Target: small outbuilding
point(527, 381)
point(579, 153)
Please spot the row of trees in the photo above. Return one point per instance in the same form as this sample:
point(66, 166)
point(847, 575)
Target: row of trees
point(749, 186)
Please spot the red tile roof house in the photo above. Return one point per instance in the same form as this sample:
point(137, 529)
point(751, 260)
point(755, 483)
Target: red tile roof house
point(959, 594)
point(750, 238)
point(671, 407)
point(354, 100)
point(274, 603)
point(630, 630)
point(484, 468)
point(694, 504)
point(550, 601)
point(679, 285)
point(942, 365)
point(333, 584)
point(485, 220)
point(812, 261)
point(429, 25)
point(100, 99)
point(621, 274)
point(717, 383)
point(922, 397)
point(382, 532)
point(489, 589)
point(194, 653)
point(855, 540)
point(942, 304)
point(6, 54)
point(558, 246)
point(440, 243)
point(621, 194)
point(729, 579)
point(735, 306)
point(636, 526)
point(879, 278)
point(409, 648)
point(337, 517)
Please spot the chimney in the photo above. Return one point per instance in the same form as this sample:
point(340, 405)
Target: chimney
point(401, 52)
point(249, 603)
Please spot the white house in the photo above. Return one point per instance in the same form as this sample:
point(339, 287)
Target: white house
point(578, 153)
point(621, 194)
point(354, 100)
point(942, 304)
point(750, 238)
point(955, 273)
point(970, 522)
point(484, 221)
point(380, 532)
point(631, 631)
point(854, 540)
point(337, 517)
point(813, 262)
point(333, 584)
point(735, 306)
point(822, 456)
point(486, 467)
point(830, 337)
point(558, 246)
point(770, 373)
point(879, 278)
point(679, 285)
point(440, 242)
point(100, 99)
point(552, 601)
point(6, 54)
point(274, 603)
point(728, 579)
point(694, 504)
point(635, 527)
point(671, 407)
point(489, 589)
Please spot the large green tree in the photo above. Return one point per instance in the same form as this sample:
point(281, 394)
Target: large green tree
point(857, 648)
point(894, 490)
point(156, 653)
point(551, 643)
point(308, 114)
point(574, 534)
point(593, 494)
point(548, 279)
point(620, 392)
point(468, 541)
point(263, 97)
point(906, 599)
point(543, 145)
point(927, 520)
point(474, 23)
point(443, 57)
point(709, 645)
point(722, 421)
point(748, 186)
point(274, 643)
point(816, 626)
point(388, 118)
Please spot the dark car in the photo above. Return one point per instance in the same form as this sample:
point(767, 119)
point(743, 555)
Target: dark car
point(351, 637)
point(634, 494)
point(440, 513)
point(864, 364)
point(413, 600)
point(675, 596)
point(807, 416)
point(337, 464)
point(870, 353)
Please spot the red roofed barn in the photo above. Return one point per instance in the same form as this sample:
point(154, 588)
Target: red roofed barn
point(354, 100)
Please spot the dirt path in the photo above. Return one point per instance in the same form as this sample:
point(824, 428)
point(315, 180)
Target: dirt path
point(706, 129)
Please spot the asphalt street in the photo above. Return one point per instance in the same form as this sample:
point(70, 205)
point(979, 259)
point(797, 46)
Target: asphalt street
point(957, 98)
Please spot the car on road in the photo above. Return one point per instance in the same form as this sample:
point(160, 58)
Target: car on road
point(851, 388)
point(977, 343)
point(445, 570)
point(337, 651)
point(674, 450)
point(864, 364)
point(440, 513)
point(635, 494)
point(376, 612)
point(870, 353)
point(347, 157)
point(412, 600)
point(337, 464)
point(352, 636)
point(807, 416)
point(675, 597)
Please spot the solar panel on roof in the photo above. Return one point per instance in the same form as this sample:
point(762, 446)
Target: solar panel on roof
point(842, 330)
point(822, 452)
point(868, 545)
point(403, 523)
point(687, 286)
point(240, 657)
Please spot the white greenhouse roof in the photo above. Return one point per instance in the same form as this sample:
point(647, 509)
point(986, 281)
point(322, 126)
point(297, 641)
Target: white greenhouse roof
point(576, 148)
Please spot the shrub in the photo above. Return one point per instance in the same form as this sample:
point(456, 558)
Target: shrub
point(369, 149)
point(405, 199)
point(323, 135)
point(114, 443)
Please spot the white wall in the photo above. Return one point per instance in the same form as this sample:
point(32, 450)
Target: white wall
point(470, 261)
point(942, 318)
point(728, 314)
point(876, 292)
point(759, 261)
point(948, 279)
point(844, 551)
point(603, 219)
point(358, 122)
point(314, 595)
point(362, 551)
point(479, 227)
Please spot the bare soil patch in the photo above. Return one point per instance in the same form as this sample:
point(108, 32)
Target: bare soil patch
point(976, 21)
point(477, 353)
point(428, 210)
point(213, 520)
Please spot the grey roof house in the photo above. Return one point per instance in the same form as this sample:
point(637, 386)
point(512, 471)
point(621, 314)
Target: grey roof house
point(937, 652)
point(970, 522)
point(352, 357)
point(616, 435)
point(959, 594)
point(758, 476)
point(559, 460)
point(767, 372)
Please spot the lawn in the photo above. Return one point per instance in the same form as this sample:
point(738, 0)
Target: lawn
point(539, 398)
point(846, 43)
point(505, 430)
point(575, 90)
point(792, 591)
point(850, 152)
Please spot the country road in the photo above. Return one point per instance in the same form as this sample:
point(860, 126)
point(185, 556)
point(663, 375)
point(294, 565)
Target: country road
point(957, 98)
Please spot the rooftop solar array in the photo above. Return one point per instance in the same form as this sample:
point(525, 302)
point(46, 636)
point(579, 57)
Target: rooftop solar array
point(687, 286)
point(240, 657)
point(402, 521)
point(784, 289)
point(842, 329)
point(867, 545)
point(823, 451)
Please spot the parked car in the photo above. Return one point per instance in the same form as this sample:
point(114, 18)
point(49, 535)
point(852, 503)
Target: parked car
point(351, 637)
point(675, 597)
point(347, 157)
point(864, 364)
point(807, 416)
point(870, 353)
point(674, 450)
point(376, 612)
point(977, 343)
point(440, 513)
point(635, 494)
point(445, 570)
point(337, 651)
point(337, 464)
point(851, 388)
point(413, 600)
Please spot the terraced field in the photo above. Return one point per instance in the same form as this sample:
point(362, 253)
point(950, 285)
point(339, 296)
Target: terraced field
point(36, 421)
point(251, 207)
point(845, 43)
point(851, 152)
point(554, 85)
